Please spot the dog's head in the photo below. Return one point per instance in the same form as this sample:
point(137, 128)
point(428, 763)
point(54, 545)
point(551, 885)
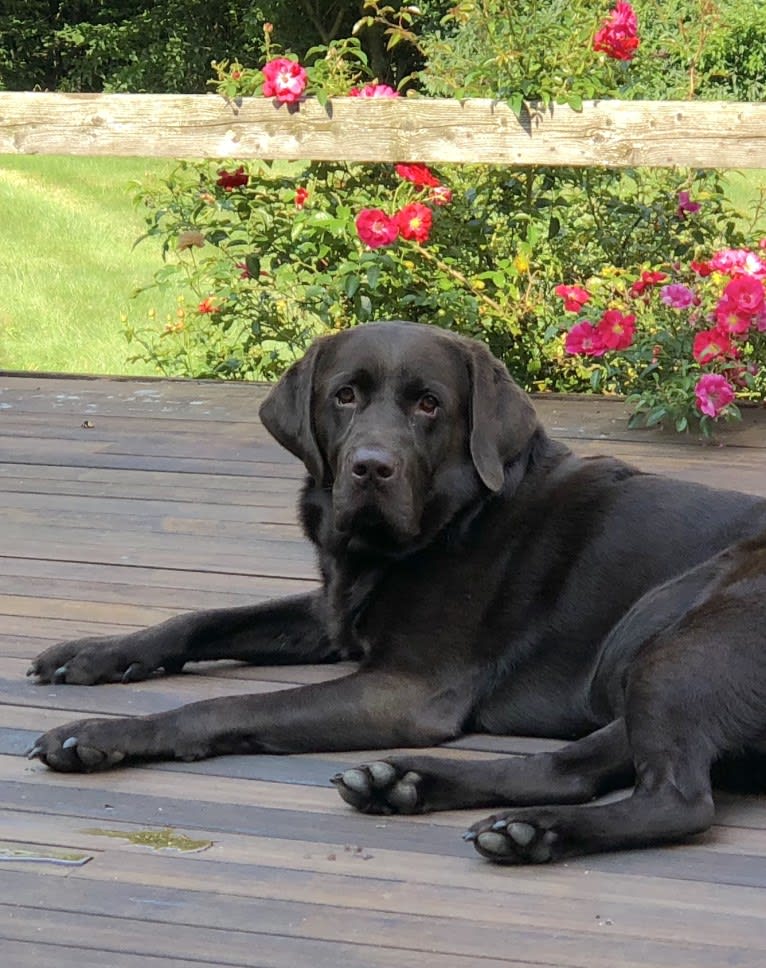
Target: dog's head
point(406, 424)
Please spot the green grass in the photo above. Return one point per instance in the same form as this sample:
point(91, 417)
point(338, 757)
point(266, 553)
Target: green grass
point(67, 263)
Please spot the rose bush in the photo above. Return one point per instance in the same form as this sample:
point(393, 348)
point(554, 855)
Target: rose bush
point(687, 341)
point(264, 256)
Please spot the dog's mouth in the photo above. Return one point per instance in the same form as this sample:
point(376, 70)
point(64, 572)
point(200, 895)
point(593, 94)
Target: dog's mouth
point(369, 526)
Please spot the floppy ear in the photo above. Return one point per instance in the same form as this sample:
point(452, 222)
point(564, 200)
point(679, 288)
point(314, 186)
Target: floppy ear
point(286, 412)
point(502, 416)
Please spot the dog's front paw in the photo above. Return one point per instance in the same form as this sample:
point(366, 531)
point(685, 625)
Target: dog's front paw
point(515, 838)
point(86, 662)
point(85, 746)
point(381, 787)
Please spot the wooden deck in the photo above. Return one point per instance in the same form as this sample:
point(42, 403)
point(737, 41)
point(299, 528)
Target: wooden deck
point(125, 502)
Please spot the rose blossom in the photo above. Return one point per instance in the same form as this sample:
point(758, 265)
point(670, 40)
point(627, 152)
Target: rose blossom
point(746, 293)
point(229, 180)
point(736, 262)
point(616, 329)
point(284, 79)
point(702, 269)
point(710, 345)
point(686, 206)
point(440, 195)
point(418, 174)
point(714, 393)
point(585, 340)
point(375, 228)
point(618, 35)
point(373, 90)
point(648, 278)
point(730, 319)
point(678, 296)
point(414, 222)
point(301, 196)
point(575, 297)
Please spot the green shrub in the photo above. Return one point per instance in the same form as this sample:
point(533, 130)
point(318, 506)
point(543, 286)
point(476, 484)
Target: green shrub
point(268, 256)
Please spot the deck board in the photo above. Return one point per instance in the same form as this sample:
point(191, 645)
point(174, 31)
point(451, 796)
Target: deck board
point(176, 498)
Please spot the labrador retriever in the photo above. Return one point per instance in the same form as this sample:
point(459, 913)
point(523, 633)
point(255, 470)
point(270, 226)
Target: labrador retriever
point(487, 580)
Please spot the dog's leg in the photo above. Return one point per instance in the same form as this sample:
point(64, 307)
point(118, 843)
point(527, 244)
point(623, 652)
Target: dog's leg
point(415, 784)
point(281, 632)
point(672, 800)
point(693, 694)
point(364, 710)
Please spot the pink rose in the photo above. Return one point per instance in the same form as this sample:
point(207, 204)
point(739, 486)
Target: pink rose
point(585, 340)
point(373, 90)
point(375, 228)
point(284, 79)
point(714, 393)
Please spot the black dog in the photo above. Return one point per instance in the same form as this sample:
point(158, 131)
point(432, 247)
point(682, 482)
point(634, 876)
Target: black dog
point(488, 580)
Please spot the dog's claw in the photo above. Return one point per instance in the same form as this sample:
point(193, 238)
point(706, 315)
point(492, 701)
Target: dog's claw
point(32, 670)
point(70, 743)
point(469, 836)
point(59, 675)
point(133, 673)
point(34, 752)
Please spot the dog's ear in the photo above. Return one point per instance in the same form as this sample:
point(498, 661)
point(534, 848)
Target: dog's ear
point(502, 416)
point(287, 412)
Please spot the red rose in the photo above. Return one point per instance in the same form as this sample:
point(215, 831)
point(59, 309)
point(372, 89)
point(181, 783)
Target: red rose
point(618, 35)
point(301, 196)
point(616, 330)
point(575, 297)
point(710, 345)
point(414, 222)
point(419, 175)
point(229, 180)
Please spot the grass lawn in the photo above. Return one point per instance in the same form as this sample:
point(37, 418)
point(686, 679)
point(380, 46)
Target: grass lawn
point(67, 263)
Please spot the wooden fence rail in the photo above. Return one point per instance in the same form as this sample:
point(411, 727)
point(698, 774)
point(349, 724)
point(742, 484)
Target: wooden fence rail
point(610, 133)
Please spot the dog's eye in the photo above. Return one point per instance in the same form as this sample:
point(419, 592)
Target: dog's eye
point(345, 396)
point(428, 404)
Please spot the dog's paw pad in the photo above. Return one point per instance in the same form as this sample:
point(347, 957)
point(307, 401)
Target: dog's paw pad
point(380, 788)
point(514, 841)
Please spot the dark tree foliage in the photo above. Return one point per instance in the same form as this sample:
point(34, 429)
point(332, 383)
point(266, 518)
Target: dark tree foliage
point(151, 45)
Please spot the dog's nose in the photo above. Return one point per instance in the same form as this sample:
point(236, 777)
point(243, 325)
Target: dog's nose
point(373, 464)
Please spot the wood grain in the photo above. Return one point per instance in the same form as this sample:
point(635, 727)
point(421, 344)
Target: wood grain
point(606, 133)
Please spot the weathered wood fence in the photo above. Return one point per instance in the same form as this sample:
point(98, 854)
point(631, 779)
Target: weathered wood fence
point(610, 133)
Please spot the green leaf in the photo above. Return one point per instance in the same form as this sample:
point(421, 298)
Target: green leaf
point(657, 415)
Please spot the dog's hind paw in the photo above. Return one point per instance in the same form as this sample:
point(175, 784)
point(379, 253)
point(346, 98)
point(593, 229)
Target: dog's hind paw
point(380, 787)
point(510, 839)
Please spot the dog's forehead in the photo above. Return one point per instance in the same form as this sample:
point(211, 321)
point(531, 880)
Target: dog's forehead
point(405, 351)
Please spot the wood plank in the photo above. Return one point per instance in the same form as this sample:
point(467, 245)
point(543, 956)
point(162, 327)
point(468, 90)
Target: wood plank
point(184, 552)
point(605, 133)
point(421, 937)
point(151, 539)
point(52, 954)
point(273, 868)
point(261, 949)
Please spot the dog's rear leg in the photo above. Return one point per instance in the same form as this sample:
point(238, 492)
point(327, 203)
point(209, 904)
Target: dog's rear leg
point(694, 694)
point(574, 774)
